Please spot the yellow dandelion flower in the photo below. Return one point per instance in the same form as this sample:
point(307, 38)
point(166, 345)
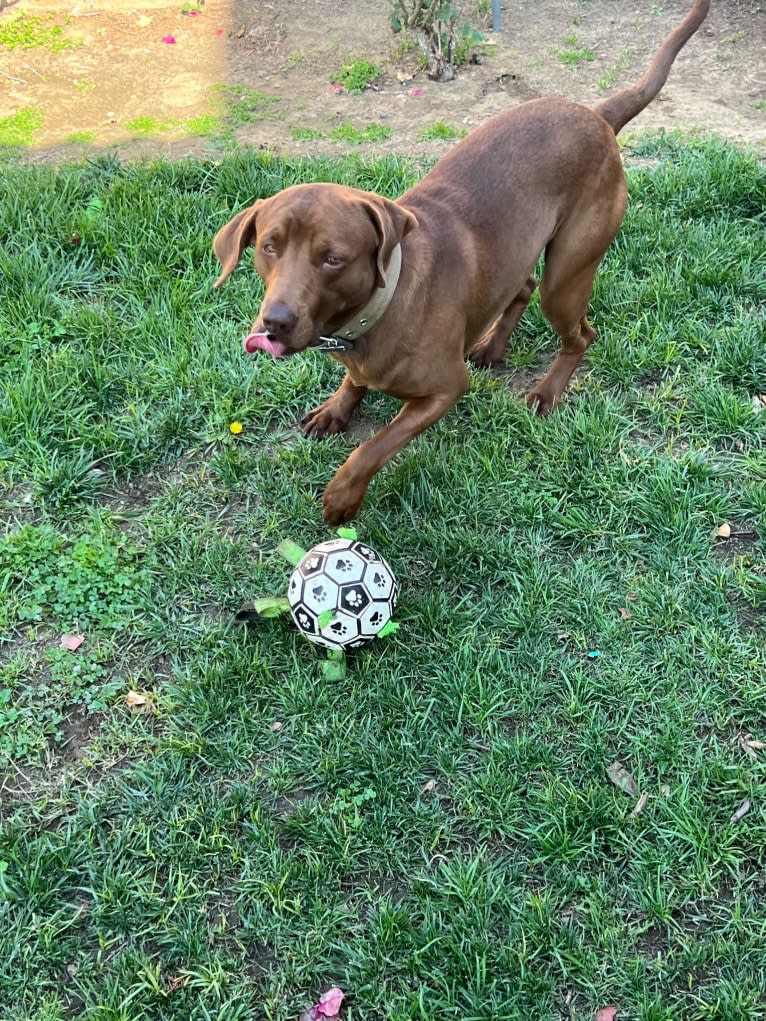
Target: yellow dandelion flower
point(236, 428)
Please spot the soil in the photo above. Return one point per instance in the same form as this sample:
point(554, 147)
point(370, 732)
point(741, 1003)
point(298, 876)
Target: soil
point(291, 50)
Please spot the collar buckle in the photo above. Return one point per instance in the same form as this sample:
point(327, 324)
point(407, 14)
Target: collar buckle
point(332, 344)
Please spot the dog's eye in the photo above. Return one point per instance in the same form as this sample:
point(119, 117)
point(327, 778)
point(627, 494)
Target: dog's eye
point(268, 248)
point(332, 260)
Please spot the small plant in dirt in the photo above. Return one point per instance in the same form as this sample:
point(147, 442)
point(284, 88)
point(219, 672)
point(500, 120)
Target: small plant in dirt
point(244, 105)
point(441, 131)
point(28, 31)
point(21, 127)
point(307, 134)
point(81, 137)
point(446, 38)
point(358, 76)
point(346, 132)
point(609, 78)
point(574, 54)
point(146, 126)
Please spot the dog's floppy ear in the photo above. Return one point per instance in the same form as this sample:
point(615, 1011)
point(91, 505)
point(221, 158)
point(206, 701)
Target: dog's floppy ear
point(392, 223)
point(232, 239)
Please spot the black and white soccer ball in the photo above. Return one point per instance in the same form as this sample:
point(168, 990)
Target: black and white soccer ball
point(342, 593)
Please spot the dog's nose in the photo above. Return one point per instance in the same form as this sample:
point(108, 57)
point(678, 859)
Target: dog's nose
point(280, 320)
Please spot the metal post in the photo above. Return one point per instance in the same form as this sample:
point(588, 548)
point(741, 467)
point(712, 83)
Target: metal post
point(495, 15)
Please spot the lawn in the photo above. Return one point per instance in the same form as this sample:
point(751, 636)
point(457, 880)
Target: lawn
point(195, 824)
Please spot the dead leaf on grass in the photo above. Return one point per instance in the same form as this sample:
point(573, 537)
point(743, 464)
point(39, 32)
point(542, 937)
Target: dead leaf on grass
point(137, 700)
point(621, 778)
point(277, 726)
point(750, 745)
point(723, 531)
point(623, 612)
point(72, 642)
point(428, 786)
point(328, 1006)
point(741, 812)
point(640, 805)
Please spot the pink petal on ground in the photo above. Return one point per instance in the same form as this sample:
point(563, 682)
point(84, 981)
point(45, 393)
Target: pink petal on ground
point(606, 1014)
point(169, 39)
point(72, 642)
point(329, 1002)
point(218, 31)
point(418, 92)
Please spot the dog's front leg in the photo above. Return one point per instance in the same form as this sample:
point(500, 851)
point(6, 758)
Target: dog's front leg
point(345, 493)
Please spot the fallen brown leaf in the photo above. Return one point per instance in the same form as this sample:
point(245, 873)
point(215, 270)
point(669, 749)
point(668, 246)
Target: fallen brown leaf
point(623, 612)
point(72, 642)
point(428, 786)
point(640, 805)
point(750, 746)
point(741, 812)
point(621, 778)
point(135, 699)
point(277, 726)
point(723, 531)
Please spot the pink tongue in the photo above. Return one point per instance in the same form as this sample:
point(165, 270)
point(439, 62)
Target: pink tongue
point(262, 342)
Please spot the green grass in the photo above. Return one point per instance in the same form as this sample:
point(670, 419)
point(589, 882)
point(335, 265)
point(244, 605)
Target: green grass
point(204, 124)
point(80, 136)
point(307, 134)
point(243, 105)
point(610, 77)
point(358, 75)
point(27, 31)
point(351, 135)
point(440, 130)
point(574, 54)
point(19, 129)
point(146, 126)
point(437, 833)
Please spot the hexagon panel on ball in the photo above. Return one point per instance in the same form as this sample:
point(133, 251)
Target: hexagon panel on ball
point(342, 593)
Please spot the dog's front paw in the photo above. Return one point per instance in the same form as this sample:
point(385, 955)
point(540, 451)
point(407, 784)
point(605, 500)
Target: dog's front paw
point(342, 500)
point(323, 421)
point(541, 401)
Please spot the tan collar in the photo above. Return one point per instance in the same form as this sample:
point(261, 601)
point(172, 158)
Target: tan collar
point(343, 338)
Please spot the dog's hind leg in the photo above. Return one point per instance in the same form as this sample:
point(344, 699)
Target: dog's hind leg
point(564, 307)
point(571, 261)
point(492, 346)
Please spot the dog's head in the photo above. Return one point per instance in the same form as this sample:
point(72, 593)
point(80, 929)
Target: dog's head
point(321, 250)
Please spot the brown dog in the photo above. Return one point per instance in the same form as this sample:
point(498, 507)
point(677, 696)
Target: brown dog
point(400, 292)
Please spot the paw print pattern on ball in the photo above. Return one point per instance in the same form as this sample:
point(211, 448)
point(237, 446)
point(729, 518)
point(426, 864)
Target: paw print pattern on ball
point(342, 593)
point(354, 598)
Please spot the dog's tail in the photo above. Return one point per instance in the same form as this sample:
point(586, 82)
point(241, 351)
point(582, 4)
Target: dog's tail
point(626, 104)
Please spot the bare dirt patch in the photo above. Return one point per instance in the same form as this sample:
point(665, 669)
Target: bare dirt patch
point(121, 86)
